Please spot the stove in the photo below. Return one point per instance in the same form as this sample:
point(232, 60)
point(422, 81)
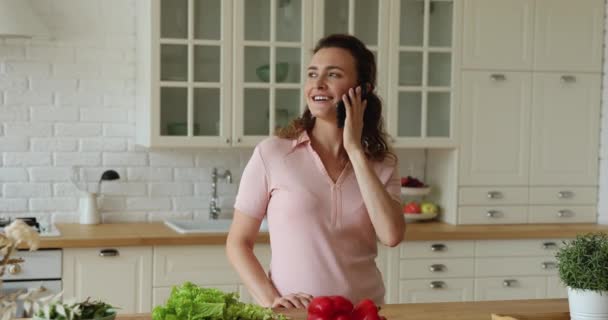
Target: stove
point(45, 229)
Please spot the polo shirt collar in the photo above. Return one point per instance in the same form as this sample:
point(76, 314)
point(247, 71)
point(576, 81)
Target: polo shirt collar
point(302, 138)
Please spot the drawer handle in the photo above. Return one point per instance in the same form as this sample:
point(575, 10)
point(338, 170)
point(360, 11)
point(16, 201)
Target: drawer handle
point(498, 77)
point(493, 214)
point(494, 195)
point(548, 265)
point(568, 78)
point(549, 245)
point(438, 247)
point(564, 213)
point(437, 285)
point(108, 253)
point(509, 283)
point(437, 268)
point(565, 194)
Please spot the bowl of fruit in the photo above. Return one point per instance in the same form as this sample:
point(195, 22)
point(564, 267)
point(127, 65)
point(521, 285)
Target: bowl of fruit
point(416, 211)
point(411, 186)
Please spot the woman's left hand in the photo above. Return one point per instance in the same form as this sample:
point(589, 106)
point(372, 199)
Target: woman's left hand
point(353, 124)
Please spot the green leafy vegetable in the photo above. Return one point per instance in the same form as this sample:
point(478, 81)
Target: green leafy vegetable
point(191, 302)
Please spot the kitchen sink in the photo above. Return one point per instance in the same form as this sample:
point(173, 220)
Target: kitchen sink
point(205, 226)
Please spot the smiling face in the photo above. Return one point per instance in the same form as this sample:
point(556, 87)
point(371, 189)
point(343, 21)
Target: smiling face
point(330, 74)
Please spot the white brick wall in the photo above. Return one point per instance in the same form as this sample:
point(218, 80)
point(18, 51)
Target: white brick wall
point(71, 101)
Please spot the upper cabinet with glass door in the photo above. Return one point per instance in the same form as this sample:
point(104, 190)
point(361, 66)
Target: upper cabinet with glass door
point(272, 48)
point(184, 75)
point(423, 52)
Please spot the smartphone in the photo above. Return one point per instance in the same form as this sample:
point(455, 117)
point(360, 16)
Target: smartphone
point(341, 109)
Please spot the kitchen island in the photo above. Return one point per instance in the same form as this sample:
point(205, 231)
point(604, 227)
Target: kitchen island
point(552, 309)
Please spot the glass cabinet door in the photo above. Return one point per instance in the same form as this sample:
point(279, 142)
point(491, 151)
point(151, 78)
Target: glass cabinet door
point(271, 45)
point(194, 84)
point(421, 83)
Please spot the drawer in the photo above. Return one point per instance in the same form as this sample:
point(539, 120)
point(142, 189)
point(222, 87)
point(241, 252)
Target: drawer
point(492, 196)
point(206, 264)
point(493, 215)
point(515, 248)
point(448, 290)
point(437, 268)
point(562, 214)
point(555, 288)
point(434, 249)
point(515, 266)
point(563, 195)
point(510, 288)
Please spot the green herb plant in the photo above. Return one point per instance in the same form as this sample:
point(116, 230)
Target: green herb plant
point(191, 302)
point(583, 262)
point(85, 310)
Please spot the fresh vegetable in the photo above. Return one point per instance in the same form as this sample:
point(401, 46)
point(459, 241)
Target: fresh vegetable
point(191, 302)
point(76, 311)
point(340, 308)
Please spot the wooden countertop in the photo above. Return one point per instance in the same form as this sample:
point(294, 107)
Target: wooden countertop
point(554, 309)
point(156, 233)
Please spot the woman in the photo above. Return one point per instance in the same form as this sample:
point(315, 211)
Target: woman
point(328, 193)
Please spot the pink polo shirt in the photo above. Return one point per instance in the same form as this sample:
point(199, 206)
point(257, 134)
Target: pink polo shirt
point(321, 237)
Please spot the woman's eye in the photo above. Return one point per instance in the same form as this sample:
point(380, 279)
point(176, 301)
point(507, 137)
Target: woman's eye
point(333, 75)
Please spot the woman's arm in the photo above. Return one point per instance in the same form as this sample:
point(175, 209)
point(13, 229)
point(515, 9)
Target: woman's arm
point(239, 248)
point(384, 211)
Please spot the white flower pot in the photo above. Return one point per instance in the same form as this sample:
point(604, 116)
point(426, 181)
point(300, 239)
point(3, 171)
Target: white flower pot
point(587, 304)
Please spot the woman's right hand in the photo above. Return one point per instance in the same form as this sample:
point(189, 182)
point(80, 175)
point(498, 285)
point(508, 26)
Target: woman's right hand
point(295, 300)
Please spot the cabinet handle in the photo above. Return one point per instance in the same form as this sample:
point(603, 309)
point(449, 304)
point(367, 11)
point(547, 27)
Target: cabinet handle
point(493, 214)
point(108, 253)
point(437, 285)
point(564, 213)
point(549, 245)
point(548, 265)
point(227, 140)
point(565, 194)
point(438, 247)
point(568, 78)
point(509, 282)
point(498, 77)
point(437, 268)
point(238, 140)
point(494, 195)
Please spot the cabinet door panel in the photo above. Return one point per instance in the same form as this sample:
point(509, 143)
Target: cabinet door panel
point(565, 129)
point(569, 35)
point(122, 280)
point(495, 128)
point(555, 288)
point(517, 288)
point(498, 34)
point(447, 290)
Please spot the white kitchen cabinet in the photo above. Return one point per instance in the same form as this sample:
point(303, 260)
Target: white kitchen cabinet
point(425, 291)
point(119, 276)
point(495, 128)
point(498, 34)
point(203, 265)
point(568, 35)
point(510, 288)
point(565, 129)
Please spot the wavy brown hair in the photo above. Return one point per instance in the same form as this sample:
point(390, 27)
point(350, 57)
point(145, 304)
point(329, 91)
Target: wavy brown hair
point(373, 137)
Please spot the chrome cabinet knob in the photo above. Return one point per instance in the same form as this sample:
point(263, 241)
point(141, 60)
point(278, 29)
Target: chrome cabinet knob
point(564, 213)
point(14, 269)
point(493, 213)
point(568, 78)
point(437, 285)
point(494, 195)
point(109, 253)
point(549, 245)
point(437, 268)
point(438, 247)
point(498, 77)
point(548, 265)
point(509, 282)
point(565, 194)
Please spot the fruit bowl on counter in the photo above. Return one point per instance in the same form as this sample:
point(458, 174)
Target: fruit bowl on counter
point(409, 217)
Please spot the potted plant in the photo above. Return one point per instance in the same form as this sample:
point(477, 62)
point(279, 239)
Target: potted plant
point(85, 310)
point(583, 268)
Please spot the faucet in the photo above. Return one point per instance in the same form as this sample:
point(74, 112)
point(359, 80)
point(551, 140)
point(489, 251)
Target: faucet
point(214, 210)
